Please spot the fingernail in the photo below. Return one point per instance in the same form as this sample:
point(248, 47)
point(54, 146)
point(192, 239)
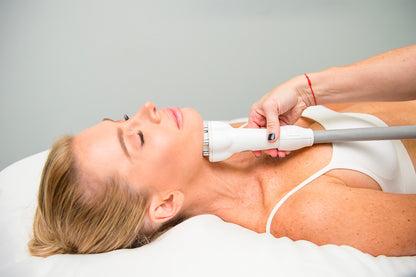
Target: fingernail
point(271, 136)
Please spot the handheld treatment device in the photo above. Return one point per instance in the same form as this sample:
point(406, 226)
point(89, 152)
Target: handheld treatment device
point(221, 140)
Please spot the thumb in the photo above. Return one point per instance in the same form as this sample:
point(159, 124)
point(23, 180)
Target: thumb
point(273, 125)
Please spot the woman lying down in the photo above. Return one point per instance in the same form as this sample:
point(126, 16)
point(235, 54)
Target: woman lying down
point(120, 184)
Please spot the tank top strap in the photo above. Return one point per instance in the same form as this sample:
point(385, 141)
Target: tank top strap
point(290, 193)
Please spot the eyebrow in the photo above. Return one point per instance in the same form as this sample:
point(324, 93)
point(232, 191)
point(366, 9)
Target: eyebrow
point(120, 138)
point(122, 142)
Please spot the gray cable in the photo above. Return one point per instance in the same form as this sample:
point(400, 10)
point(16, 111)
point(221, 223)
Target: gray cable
point(361, 134)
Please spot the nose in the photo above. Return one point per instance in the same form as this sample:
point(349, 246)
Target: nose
point(150, 112)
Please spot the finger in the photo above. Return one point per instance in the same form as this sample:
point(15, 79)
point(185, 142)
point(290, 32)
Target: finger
point(281, 154)
point(256, 118)
point(271, 152)
point(273, 124)
point(257, 153)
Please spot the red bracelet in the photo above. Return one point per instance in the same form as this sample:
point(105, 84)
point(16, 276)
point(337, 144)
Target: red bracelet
point(310, 85)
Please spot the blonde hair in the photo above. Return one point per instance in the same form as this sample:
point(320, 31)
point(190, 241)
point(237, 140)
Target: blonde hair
point(68, 222)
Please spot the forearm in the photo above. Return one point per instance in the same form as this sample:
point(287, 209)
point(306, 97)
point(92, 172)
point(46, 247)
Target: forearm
point(390, 76)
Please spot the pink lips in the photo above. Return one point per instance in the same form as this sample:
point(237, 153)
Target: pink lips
point(176, 115)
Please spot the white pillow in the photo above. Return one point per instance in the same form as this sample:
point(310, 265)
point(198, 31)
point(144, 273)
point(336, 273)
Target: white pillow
point(200, 246)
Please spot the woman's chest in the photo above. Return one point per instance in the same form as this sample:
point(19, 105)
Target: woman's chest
point(307, 166)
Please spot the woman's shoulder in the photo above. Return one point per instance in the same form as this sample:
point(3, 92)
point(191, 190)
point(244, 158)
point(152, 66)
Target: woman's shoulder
point(327, 211)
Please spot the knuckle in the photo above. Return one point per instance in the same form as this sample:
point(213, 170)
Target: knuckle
point(272, 124)
point(270, 104)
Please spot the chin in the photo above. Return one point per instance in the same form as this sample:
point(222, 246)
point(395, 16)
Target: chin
point(192, 117)
point(194, 127)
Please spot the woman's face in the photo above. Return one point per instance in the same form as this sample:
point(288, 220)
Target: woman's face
point(154, 150)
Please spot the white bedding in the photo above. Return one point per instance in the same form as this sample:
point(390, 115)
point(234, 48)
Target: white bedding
point(201, 246)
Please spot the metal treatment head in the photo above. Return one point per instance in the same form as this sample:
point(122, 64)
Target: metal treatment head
point(205, 150)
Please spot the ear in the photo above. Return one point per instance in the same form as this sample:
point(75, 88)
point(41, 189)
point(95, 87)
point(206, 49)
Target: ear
point(162, 209)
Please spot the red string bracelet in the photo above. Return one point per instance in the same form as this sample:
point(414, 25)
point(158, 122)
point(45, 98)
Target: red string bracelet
point(310, 85)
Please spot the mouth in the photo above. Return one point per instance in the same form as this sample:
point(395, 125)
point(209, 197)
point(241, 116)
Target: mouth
point(176, 114)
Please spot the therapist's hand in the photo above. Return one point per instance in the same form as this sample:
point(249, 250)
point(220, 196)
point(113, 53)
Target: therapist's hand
point(281, 106)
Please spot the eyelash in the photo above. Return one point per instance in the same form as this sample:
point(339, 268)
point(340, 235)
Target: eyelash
point(140, 133)
point(126, 117)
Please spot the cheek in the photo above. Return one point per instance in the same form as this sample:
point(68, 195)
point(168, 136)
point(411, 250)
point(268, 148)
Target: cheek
point(165, 157)
point(165, 147)
point(170, 156)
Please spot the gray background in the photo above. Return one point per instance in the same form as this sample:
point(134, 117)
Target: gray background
point(65, 65)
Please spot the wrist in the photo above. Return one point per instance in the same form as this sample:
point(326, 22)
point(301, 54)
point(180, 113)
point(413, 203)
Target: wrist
point(304, 91)
point(326, 86)
point(311, 89)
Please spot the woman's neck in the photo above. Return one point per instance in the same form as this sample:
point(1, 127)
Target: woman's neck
point(233, 190)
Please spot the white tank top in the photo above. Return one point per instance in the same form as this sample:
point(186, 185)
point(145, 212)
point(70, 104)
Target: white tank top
point(387, 162)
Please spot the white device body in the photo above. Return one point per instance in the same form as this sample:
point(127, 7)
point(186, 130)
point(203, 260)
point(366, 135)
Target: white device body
point(221, 140)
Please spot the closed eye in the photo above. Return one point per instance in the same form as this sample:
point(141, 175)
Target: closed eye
point(140, 134)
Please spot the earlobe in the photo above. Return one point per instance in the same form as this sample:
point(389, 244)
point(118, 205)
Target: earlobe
point(162, 209)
